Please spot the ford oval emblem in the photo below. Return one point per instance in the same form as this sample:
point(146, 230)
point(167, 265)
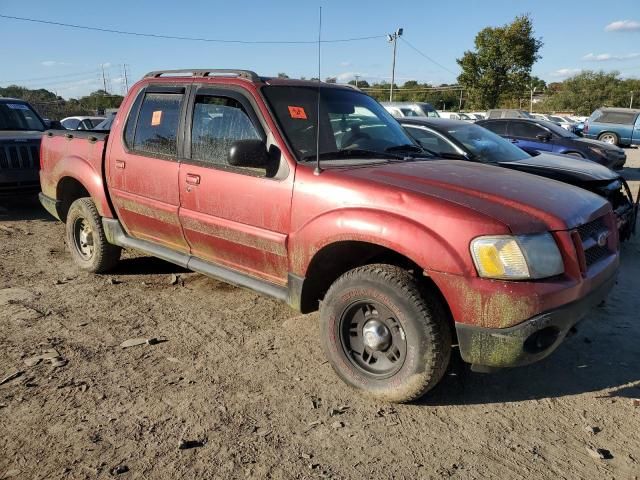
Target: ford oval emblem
point(602, 239)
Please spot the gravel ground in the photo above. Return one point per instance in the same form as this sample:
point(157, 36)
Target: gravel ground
point(237, 387)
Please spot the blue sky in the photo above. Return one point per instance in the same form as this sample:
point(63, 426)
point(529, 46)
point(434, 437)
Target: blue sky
point(575, 37)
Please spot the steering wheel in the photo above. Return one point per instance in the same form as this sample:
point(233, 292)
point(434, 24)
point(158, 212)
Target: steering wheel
point(356, 134)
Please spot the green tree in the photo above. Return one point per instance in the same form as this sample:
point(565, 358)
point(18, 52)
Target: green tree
point(500, 66)
point(282, 75)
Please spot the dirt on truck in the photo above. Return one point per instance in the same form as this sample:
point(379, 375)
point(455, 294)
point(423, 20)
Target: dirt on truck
point(314, 195)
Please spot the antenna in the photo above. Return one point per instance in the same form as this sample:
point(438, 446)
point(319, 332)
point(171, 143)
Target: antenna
point(318, 170)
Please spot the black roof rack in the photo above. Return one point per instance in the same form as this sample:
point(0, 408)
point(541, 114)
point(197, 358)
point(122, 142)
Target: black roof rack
point(208, 72)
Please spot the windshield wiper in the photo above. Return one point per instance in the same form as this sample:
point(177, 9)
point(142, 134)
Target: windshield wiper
point(351, 153)
point(408, 147)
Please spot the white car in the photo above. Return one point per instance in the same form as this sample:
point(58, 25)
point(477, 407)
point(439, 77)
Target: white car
point(456, 116)
point(81, 122)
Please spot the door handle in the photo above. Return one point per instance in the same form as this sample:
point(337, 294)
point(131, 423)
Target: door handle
point(120, 164)
point(193, 179)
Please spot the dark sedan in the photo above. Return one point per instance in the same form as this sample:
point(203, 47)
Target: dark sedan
point(543, 136)
point(460, 140)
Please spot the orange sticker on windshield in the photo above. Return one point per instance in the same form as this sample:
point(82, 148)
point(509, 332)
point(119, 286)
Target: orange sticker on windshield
point(297, 112)
point(156, 118)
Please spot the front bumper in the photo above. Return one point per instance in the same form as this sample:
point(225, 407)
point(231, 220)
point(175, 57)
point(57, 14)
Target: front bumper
point(529, 341)
point(18, 182)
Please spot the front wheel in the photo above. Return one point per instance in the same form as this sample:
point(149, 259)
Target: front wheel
point(384, 334)
point(86, 239)
point(609, 137)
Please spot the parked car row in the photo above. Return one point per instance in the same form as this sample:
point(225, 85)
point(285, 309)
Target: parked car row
point(403, 238)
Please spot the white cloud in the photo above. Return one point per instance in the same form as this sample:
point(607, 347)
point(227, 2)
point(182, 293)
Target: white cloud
point(604, 57)
point(345, 64)
point(54, 63)
point(623, 26)
point(346, 76)
point(565, 72)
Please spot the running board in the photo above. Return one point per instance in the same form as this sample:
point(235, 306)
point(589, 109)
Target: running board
point(117, 236)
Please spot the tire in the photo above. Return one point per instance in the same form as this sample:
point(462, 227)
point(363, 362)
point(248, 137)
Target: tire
point(416, 333)
point(609, 137)
point(86, 239)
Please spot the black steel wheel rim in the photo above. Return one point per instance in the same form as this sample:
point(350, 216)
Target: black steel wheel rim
point(381, 362)
point(83, 238)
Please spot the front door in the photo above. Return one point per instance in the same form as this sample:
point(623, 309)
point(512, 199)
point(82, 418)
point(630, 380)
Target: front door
point(237, 217)
point(144, 168)
point(528, 136)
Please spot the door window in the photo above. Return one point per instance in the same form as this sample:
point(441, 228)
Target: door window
point(499, 128)
point(218, 122)
point(525, 130)
point(157, 125)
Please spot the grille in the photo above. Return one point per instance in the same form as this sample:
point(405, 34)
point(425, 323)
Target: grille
point(15, 156)
point(591, 229)
point(589, 233)
point(595, 253)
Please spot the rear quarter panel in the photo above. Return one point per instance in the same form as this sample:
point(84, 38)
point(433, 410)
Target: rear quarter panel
point(75, 156)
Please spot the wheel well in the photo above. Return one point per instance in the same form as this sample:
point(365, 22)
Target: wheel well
point(336, 259)
point(68, 191)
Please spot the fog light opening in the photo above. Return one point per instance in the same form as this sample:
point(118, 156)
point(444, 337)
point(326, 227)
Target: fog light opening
point(541, 340)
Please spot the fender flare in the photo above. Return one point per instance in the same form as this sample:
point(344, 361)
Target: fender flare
point(389, 230)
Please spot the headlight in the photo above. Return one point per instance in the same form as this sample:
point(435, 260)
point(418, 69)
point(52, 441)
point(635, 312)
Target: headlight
point(600, 151)
point(517, 257)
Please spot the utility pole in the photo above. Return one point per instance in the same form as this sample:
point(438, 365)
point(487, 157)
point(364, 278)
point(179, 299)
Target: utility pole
point(393, 38)
point(631, 102)
point(460, 106)
point(533, 90)
point(104, 80)
point(357, 77)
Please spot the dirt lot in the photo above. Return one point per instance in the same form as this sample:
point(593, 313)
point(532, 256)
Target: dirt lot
point(242, 383)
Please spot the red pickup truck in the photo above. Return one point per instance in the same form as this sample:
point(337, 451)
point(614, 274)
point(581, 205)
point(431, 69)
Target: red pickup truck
point(313, 194)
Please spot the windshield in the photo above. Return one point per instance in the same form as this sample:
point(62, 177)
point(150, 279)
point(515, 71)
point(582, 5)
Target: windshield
point(352, 124)
point(485, 145)
point(557, 129)
point(19, 116)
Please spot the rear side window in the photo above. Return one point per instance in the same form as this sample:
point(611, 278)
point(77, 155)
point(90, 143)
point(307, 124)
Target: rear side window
point(624, 118)
point(499, 128)
point(130, 128)
point(524, 130)
point(156, 130)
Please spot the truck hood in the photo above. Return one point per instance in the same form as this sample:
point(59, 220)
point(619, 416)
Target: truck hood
point(19, 135)
point(524, 203)
point(564, 168)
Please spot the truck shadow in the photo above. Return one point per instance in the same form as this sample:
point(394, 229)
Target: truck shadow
point(23, 208)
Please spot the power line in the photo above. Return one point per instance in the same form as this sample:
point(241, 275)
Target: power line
point(193, 39)
point(427, 56)
point(66, 75)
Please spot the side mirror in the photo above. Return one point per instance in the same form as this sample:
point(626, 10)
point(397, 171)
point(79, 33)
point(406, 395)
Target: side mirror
point(248, 153)
point(544, 137)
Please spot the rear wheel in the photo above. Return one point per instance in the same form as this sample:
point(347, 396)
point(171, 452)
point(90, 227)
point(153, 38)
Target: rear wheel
point(384, 334)
point(86, 239)
point(609, 137)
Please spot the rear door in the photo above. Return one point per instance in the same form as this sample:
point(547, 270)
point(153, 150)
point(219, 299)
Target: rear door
point(143, 167)
point(237, 217)
point(525, 135)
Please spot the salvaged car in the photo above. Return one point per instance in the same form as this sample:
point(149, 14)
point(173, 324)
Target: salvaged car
point(20, 132)
point(460, 141)
point(313, 194)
